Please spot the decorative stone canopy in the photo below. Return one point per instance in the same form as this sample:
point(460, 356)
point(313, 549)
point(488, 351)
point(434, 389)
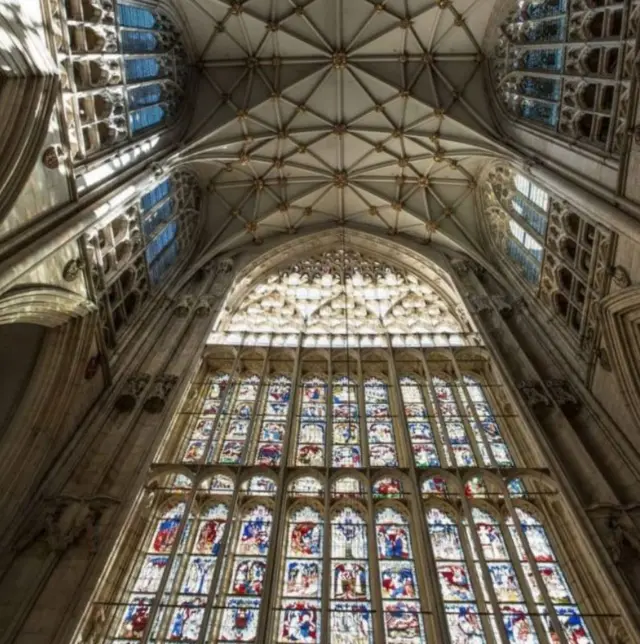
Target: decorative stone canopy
point(340, 112)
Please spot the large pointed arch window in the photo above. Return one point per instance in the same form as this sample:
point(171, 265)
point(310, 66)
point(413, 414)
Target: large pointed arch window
point(559, 66)
point(349, 495)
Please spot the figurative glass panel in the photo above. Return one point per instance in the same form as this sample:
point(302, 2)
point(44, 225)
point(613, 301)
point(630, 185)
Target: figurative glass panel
point(202, 436)
point(423, 443)
point(539, 562)
point(347, 450)
point(273, 422)
point(454, 577)
point(387, 488)
point(302, 577)
point(312, 427)
point(247, 568)
point(238, 419)
point(485, 429)
point(454, 426)
point(398, 579)
point(351, 615)
point(380, 434)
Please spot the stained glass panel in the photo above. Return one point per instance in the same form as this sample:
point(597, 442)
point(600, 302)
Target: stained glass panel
point(238, 420)
point(420, 432)
point(398, 580)
point(312, 427)
point(299, 614)
point(247, 573)
point(380, 436)
point(273, 422)
point(350, 593)
point(347, 451)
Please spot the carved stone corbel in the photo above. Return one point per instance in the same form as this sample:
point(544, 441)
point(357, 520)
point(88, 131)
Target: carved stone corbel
point(183, 306)
point(131, 391)
point(562, 393)
point(533, 394)
point(160, 390)
point(204, 306)
point(68, 518)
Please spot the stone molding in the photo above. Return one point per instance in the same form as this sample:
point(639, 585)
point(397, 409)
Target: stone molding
point(620, 317)
point(48, 306)
point(131, 391)
point(161, 388)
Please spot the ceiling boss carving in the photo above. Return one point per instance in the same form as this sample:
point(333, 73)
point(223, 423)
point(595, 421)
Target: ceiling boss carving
point(340, 112)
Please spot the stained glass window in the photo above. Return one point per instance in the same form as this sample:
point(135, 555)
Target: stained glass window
point(238, 420)
point(313, 422)
point(274, 422)
point(380, 434)
point(454, 578)
point(302, 578)
point(351, 615)
point(398, 580)
point(417, 415)
point(247, 574)
point(381, 495)
point(347, 449)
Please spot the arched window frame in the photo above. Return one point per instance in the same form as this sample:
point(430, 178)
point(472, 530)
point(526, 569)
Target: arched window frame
point(478, 565)
point(586, 276)
point(545, 78)
point(124, 275)
point(104, 107)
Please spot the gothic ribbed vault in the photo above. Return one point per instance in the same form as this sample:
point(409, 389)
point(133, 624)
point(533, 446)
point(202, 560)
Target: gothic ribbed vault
point(341, 112)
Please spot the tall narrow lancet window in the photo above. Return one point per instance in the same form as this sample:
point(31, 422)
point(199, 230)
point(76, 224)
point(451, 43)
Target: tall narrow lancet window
point(360, 488)
point(302, 578)
point(560, 66)
point(347, 446)
point(312, 422)
point(398, 580)
point(379, 422)
point(351, 610)
point(123, 69)
point(246, 573)
point(135, 250)
point(552, 246)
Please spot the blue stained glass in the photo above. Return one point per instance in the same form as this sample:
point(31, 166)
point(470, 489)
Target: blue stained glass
point(160, 267)
point(140, 69)
point(129, 16)
point(549, 59)
point(146, 117)
point(531, 270)
point(151, 198)
point(146, 95)
point(546, 88)
point(543, 8)
point(159, 216)
point(542, 112)
point(138, 42)
point(161, 241)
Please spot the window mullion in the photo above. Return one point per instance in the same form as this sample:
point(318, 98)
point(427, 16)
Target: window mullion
point(328, 457)
point(481, 564)
point(362, 420)
point(259, 404)
point(215, 588)
point(153, 612)
point(533, 565)
point(292, 427)
point(440, 434)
